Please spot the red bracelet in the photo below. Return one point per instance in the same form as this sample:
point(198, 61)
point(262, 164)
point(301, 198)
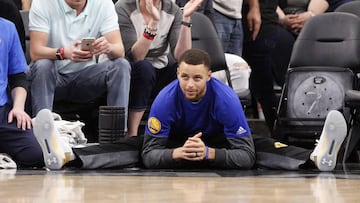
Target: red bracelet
point(148, 36)
point(62, 53)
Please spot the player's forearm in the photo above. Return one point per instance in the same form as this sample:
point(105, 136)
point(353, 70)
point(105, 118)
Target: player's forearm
point(240, 156)
point(155, 154)
point(19, 97)
point(318, 6)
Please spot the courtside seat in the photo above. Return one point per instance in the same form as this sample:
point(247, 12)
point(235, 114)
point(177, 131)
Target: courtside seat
point(25, 18)
point(322, 68)
point(205, 37)
point(352, 7)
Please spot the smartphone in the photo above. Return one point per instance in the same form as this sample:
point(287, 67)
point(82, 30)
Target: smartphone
point(86, 43)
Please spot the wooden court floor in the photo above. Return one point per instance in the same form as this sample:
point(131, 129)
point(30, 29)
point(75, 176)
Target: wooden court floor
point(135, 185)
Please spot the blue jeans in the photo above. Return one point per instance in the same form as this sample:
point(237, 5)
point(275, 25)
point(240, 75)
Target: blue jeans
point(111, 77)
point(20, 144)
point(268, 57)
point(230, 32)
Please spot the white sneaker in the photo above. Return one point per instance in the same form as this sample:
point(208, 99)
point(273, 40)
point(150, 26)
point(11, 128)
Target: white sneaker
point(55, 151)
point(333, 134)
point(71, 132)
point(6, 162)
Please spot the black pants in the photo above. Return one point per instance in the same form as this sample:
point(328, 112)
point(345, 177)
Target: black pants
point(276, 155)
point(268, 57)
point(147, 82)
point(20, 144)
point(269, 154)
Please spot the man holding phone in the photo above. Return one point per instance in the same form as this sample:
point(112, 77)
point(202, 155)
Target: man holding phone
point(61, 69)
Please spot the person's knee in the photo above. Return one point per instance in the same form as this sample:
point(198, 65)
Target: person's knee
point(121, 66)
point(145, 71)
point(43, 67)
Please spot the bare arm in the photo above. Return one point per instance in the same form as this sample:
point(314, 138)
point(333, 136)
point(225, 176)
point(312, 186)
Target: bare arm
point(318, 6)
point(254, 17)
point(26, 4)
point(296, 22)
point(110, 44)
point(315, 7)
point(142, 45)
point(17, 112)
point(38, 48)
point(184, 40)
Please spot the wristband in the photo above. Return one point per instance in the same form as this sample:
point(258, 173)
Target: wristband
point(186, 24)
point(62, 53)
point(58, 54)
point(148, 34)
point(150, 29)
point(206, 152)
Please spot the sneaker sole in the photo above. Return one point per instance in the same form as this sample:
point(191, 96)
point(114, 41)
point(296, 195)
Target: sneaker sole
point(335, 130)
point(44, 131)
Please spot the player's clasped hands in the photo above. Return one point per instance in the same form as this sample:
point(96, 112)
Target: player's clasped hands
point(194, 148)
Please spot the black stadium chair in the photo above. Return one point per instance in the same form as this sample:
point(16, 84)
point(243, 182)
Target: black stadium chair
point(205, 37)
point(350, 7)
point(322, 68)
point(25, 17)
point(352, 98)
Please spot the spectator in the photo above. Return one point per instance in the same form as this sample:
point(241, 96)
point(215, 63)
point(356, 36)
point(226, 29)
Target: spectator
point(295, 21)
point(16, 135)
point(9, 11)
point(268, 56)
point(227, 18)
point(197, 121)
point(150, 27)
point(62, 71)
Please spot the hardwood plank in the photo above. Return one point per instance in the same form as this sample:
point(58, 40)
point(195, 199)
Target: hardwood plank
point(95, 188)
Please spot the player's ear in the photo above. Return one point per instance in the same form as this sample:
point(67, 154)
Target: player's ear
point(209, 75)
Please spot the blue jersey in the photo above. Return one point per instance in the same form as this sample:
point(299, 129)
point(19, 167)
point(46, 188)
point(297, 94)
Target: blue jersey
point(218, 112)
point(12, 59)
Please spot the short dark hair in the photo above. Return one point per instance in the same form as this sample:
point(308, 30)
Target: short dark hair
point(196, 57)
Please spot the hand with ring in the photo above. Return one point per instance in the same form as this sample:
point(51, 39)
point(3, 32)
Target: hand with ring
point(193, 149)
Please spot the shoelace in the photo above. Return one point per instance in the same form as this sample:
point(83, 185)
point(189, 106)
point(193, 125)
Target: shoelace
point(70, 131)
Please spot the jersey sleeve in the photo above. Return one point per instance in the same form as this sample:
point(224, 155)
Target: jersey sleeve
point(161, 117)
point(229, 112)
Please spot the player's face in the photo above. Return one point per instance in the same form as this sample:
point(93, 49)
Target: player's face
point(193, 80)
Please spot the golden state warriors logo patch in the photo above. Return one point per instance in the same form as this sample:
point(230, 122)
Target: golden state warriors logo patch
point(278, 145)
point(154, 125)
